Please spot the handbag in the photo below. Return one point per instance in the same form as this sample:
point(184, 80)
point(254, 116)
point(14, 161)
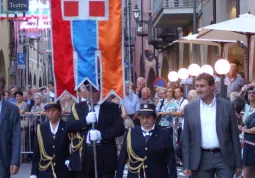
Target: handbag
point(128, 123)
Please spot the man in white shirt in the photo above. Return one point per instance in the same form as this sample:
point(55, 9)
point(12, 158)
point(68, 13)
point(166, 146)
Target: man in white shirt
point(210, 142)
point(182, 102)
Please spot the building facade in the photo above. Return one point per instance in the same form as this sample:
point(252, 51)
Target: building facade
point(4, 44)
point(26, 34)
point(173, 19)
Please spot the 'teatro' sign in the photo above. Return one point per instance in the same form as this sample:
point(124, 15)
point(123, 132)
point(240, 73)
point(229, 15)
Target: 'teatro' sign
point(18, 5)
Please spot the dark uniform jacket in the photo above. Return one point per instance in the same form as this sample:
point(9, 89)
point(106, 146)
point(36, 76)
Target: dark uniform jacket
point(158, 153)
point(58, 146)
point(110, 125)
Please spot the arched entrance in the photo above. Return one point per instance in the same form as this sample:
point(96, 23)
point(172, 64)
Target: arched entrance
point(2, 65)
point(151, 78)
point(34, 83)
point(165, 69)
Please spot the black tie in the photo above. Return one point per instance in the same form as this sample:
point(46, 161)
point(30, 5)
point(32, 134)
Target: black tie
point(147, 136)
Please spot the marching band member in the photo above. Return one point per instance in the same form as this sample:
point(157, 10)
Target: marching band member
point(148, 150)
point(51, 146)
point(108, 126)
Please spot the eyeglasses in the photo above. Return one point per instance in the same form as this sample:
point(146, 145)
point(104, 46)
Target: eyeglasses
point(251, 93)
point(170, 91)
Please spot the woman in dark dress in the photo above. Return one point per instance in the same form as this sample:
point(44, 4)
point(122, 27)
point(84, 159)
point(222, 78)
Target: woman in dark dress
point(249, 138)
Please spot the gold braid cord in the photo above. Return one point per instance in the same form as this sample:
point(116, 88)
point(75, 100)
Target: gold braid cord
point(133, 158)
point(73, 136)
point(43, 155)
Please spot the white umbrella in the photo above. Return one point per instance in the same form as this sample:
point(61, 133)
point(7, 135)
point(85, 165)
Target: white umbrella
point(240, 29)
point(192, 39)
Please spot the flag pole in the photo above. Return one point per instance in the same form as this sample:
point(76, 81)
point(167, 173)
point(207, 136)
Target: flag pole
point(93, 128)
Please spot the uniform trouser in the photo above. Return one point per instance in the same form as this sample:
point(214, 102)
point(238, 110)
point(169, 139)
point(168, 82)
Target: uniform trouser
point(88, 170)
point(4, 173)
point(211, 164)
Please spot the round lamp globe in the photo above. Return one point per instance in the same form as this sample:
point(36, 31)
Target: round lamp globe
point(194, 70)
point(207, 69)
point(183, 73)
point(173, 76)
point(222, 66)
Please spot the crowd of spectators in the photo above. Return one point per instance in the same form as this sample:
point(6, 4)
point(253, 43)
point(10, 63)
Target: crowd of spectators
point(170, 102)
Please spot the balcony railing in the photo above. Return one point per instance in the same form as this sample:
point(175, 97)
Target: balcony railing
point(161, 4)
point(165, 32)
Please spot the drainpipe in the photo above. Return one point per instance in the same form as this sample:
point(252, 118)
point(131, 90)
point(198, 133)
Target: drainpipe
point(142, 74)
point(194, 30)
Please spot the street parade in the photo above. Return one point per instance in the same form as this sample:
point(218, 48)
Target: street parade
point(127, 89)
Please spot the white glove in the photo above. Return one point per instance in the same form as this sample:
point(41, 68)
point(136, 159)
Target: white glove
point(91, 117)
point(95, 135)
point(67, 163)
point(33, 176)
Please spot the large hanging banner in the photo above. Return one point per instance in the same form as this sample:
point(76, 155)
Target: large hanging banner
point(87, 37)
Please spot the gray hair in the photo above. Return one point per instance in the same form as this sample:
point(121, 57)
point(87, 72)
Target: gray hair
point(128, 83)
point(192, 95)
point(38, 94)
point(25, 94)
point(14, 86)
point(233, 96)
point(35, 86)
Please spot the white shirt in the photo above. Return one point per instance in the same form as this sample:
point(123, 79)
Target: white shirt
point(181, 104)
point(96, 108)
point(209, 136)
point(83, 99)
point(147, 133)
point(56, 129)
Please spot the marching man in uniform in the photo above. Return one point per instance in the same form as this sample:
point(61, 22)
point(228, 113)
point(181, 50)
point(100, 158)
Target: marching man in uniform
point(148, 150)
point(51, 149)
point(108, 126)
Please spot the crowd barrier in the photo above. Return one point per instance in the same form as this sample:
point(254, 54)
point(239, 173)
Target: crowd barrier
point(29, 124)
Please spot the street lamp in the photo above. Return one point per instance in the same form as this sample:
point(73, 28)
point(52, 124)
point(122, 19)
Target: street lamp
point(173, 76)
point(207, 69)
point(222, 67)
point(194, 70)
point(183, 74)
point(136, 12)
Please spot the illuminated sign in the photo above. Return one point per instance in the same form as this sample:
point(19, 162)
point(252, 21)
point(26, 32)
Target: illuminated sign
point(35, 24)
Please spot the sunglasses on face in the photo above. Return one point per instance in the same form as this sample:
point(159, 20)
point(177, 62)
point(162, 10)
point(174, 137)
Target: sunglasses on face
point(251, 92)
